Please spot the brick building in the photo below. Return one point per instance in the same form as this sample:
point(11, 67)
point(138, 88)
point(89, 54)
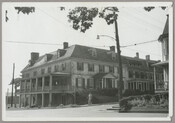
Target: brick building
point(52, 79)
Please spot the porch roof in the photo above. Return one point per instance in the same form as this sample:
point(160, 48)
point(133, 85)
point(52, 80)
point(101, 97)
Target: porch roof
point(101, 75)
point(161, 63)
point(60, 74)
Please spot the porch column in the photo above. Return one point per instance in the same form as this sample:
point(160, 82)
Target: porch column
point(102, 83)
point(24, 100)
point(147, 86)
point(155, 78)
point(113, 83)
point(20, 86)
point(50, 84)
point(136, 85)
point(30, 84)
point(36, 100)
point(25, 82)
point(133, 85)
point(42, 100)
point(42, 83)
point(19, 101)
point(105, 83)
point(50, 99)
point(36, 84)
point(30, 100)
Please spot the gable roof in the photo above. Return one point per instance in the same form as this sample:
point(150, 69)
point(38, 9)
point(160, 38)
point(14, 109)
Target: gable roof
point(165, 30)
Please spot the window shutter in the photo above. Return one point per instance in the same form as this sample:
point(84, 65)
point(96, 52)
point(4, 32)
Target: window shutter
point(83, 80)
point(76, 82)
point(82, 66)
point(87, 83)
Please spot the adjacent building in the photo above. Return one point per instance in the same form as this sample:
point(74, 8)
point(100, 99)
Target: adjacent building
point(162, 86)
point(52, 79)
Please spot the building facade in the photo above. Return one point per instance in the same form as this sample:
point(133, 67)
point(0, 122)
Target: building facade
point(53, 79)
point(162, 86)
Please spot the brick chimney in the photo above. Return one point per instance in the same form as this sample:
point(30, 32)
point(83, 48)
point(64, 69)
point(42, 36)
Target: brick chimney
point(112, 48)
point(65, 45)
point(34, 56)
point(137, 54)
point(148, 57)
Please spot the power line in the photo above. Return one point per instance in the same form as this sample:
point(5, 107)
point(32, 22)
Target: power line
point(139, 43)
point(32, 43)
point(94, 45)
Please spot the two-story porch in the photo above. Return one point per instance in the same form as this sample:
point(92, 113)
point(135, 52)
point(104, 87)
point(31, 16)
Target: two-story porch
point(47, 90)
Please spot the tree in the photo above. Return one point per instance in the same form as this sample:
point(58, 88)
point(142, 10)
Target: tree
point(25, 10)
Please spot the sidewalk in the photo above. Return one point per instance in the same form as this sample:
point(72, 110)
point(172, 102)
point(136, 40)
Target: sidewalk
point(61, 106)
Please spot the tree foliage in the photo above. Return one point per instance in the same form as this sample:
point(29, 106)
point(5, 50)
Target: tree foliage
point(151, 8)
point(82, 17)
point(25, 10)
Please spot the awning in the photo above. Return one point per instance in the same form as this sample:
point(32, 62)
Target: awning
point(161, 63)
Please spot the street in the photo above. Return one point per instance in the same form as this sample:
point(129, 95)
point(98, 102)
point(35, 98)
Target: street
point(96, 112)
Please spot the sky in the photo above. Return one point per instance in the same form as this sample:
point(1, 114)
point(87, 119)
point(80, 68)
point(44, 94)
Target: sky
point(50, 25)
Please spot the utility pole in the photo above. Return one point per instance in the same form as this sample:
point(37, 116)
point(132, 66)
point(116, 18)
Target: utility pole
point(12, 84)
point(15, 94)
point(120, 82)
point(7, 100)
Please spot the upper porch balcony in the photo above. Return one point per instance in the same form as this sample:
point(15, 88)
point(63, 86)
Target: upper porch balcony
point(50, 83)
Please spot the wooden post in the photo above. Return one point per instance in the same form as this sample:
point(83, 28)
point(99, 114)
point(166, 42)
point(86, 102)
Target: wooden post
point(12, 84)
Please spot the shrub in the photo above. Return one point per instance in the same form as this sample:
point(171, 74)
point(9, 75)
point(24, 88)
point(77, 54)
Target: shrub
point(125, 104)
point(129, 92)
point(108, 92)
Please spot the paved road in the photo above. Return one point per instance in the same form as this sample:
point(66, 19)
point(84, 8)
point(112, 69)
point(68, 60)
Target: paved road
point(97, 112)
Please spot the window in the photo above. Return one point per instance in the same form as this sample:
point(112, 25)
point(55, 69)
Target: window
point(91, 67)
point(80, 82)
point(63, 66)
point(56, 68)
point(111, 69)
point(49, 69)
point(137, 74)
point(131, 74)
point(42, 71)
point(34, 73)
point(142, 75)
point(27, 75)
point(101, 68)
point(80, 66)
point(90, 83)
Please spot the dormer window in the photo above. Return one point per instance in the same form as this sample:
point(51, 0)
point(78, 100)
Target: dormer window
point(93, 52)
point(60, 52)
point(48, 57)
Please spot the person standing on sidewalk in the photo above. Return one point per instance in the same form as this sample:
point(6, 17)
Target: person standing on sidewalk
point(89, 99)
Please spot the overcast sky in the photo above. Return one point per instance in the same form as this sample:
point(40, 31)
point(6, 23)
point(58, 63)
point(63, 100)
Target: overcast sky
point(50, 25)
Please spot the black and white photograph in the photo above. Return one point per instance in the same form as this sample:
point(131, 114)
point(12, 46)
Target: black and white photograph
point(87, 61)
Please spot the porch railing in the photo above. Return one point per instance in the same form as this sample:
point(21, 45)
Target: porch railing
point(62, 88)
